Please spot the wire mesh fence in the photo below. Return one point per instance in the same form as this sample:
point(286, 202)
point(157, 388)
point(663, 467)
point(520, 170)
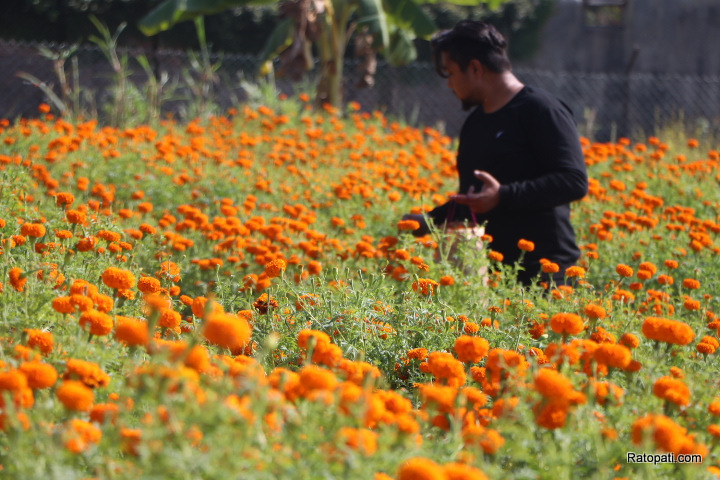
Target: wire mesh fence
point(604, 105)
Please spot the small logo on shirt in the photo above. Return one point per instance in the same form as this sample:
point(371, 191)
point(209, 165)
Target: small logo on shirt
point(497, 135)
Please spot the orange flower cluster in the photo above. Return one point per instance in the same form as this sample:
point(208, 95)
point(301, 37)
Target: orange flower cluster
point(668, 331)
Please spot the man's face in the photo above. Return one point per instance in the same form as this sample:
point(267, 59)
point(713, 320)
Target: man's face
point(459, 82)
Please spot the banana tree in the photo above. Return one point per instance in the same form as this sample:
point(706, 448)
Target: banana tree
point(385, 26)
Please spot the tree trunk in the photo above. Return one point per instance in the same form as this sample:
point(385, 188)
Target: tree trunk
point(332, 41)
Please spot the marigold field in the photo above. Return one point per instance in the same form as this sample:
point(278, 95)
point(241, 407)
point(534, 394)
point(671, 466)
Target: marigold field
point(237, 298)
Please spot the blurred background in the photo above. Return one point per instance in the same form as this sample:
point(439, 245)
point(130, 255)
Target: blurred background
point(625, 67)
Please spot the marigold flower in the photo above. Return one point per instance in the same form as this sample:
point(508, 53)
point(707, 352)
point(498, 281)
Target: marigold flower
point(624, 270)
point(495, 256)
point(526, 245)
point(672, 390)
point(425, 286)
point(131, 331)
point(417, 354)
point(613, 355)
point(550, 267)
point(575, 272)
point(595, 311)
point(88, 373)
point(17, 279)
point(361, 439)
point(420, 468)
point(39, 374)
point(275, 268)
point(227, 331)
point(74, 395)
point(668, 331)
point(408, 225)
point(77, 217)
point(552, 384)
point(691, 283)
point(35, 230)
point(40, 339)
point(149, 285)
point(471, 349)
point(313, 378)
point(97, 323)
point(629, 340)
point(446, 367)
point(460, 471)
point(118, 278)
point(566, 323)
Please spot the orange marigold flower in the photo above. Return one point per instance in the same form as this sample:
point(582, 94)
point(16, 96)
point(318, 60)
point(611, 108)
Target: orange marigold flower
point(17, 279)
point(417, 354)
point(672, 390)
point(612, 355)
point(314, 378)
point(64, 198)
point(691, 283)
point(149, 285)
point(408, 225)
point(553, 384)
point(420, 468)
point(447, 280)
point(40, 340)
point(35, 230)
point(595, 311)
point(566, 323)
point(320, 339)
point(275, 268)
point(88, 373)
point(361, 439)
point(550, 267)
point(226, 330)
point(671, 264)
point(131, 331)
point(629, 340)
point(446, 367)
point(77, 217)
point(471, 349)
point(624, 270)
point(575, 272)
point(39, 374)
point(495, 256)
point(425, 286)
point(460, 471)
point(118, 278)
point(75, 395)
point(526, 245)
point(96, 322)
point(668, 331)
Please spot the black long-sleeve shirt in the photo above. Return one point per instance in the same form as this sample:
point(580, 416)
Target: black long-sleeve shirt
point(531, 147)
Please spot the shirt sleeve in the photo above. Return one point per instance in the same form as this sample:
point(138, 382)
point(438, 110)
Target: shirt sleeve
point(556, 147)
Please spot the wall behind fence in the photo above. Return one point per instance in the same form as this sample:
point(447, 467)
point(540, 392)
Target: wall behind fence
point(605, 105)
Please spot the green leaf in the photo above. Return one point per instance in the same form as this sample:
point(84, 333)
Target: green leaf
point(402, 49)
point(409, 15)
point(280, 38)
point(372, 14)
point(170, 12)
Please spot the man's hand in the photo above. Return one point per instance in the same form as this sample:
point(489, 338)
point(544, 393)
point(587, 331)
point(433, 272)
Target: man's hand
point(484, 200)
point(424, 229)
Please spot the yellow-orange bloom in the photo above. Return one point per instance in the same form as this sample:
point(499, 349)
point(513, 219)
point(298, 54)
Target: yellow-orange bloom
point(471, 349)
point(275, 268)
point(408, 225)
point(666, 330)
point(118, 278)
point(624, 270)
point(566, 323)
point(75, 395)
point(420, 468)
point(227, 330)
point(526, 245)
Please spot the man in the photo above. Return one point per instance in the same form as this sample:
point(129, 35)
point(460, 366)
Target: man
point(519, 158)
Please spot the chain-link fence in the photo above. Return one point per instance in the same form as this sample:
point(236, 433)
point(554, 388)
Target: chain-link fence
point(605, 105)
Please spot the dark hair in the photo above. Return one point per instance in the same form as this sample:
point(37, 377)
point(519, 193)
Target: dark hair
point(468, 40)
